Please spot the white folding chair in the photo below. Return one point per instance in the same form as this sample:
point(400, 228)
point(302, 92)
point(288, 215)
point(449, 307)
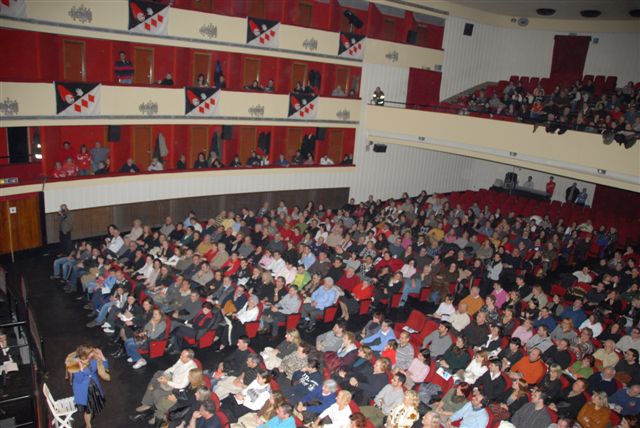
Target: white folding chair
point(62, 410)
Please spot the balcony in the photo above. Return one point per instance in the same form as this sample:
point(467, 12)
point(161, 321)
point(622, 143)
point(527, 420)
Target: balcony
point(574, 154)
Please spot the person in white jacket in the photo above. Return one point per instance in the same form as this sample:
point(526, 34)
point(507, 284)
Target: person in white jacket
point(163, 382)
point(251, 399)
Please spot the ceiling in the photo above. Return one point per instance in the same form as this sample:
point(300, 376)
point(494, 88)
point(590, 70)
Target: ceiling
point(565, 9)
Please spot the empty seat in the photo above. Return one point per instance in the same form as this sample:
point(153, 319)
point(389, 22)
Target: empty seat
point(62, 409)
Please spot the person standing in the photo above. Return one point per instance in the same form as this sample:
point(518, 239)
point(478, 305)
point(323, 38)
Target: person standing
point(87, 365)
point(124, 70)
point(551, 186)
point(66, 226)
point(581, 199)
point(571, 193)
point(99, 154)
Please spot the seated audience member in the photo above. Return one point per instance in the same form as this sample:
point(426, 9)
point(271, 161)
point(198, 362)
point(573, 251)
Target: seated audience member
point(311, 407)
point(491, 383)
point(378, 340)
point(338, 413)
point(533, 414)
point(273, 315)
point(251, 398)
point(164, 382)
point(530, 368)
point(439, 340)
point(385, 401)
point(129, 167)
point(626, 401)
point(571, 400)
point(406, 413)
point(456, 358)
point(473, 414)
point(322, 298)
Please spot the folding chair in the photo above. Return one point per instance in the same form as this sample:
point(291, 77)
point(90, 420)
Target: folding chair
point(62, 410)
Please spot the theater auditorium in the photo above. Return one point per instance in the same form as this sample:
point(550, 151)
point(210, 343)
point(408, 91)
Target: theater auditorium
point(320, 213)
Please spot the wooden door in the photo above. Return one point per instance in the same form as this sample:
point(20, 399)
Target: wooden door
point(141, 150)
point(74, 60)
point(388, 29)
point(294, 141)
point(202, 5)
point(305, 11)
point(201, 64)
point(421, 35)
point(143, 65)
point(199, 143)
point(256, 8)
point(334, 151)
point(298, 73)
point(250, 71)
point(342, 78)
point(20, 221)
point(248, 142)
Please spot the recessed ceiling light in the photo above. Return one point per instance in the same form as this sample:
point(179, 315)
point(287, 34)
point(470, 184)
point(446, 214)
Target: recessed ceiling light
point(590, 13)
point(635, 13)
point(543, 11)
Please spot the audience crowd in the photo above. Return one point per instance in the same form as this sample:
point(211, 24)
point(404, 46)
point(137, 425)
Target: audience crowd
point(515, 321)
point(576, 107)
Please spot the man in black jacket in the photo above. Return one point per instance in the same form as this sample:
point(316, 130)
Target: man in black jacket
point(491, 383)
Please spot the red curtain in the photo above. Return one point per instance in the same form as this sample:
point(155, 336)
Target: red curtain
point(424, 87)
point(569, 56)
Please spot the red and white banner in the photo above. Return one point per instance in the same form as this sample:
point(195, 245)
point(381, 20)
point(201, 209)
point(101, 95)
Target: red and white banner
point(147, 17)
point(263, 32)
point(351, 45)
point(303, 106)
point(202, 101)
point(15, 8)
point(77, 99)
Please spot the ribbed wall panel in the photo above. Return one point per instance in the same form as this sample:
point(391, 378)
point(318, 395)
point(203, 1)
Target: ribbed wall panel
point(114, 191)
point(392, 80)
point(491, 54)
point(614, 55)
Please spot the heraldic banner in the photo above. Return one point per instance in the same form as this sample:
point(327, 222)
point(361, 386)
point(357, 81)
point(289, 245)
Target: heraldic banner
point(77, 99)
point(351, 45)
point(14, 8)
point(262, 32)
point(147, 17)
point(303, 106)
point(201, 101)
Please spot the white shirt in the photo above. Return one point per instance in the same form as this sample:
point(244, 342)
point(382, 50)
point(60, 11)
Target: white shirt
point(459, 320)
point(179, 373)
point(249, 315)
point(474, 370)
point(116, 244)
point(595, 328)
point(445, 310)
point(339, 418)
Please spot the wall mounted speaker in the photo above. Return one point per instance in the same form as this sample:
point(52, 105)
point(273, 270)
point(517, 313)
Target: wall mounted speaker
point(380, 148)
point(468, 29)
point(227, 132)
point(113, 133)
point(412, 37)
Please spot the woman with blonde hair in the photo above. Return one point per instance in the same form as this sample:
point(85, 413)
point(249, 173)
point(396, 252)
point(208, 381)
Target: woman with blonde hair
point(339, 413)
point(268, 411)
point(86, 366)
point(273, 356)
point(431, 420)
point(180, 397)
point(595, 413)
point(406, 413)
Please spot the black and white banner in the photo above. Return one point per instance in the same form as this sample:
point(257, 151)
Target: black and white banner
point(351, 45)
point(15, 8)
point(77, 99)
point(262, 32)
point(303, 106)
point(146, 17)
point(202, 101)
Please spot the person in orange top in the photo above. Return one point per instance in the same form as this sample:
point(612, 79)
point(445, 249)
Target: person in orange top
point(473, 301)
point(530, 368)
point(596, 413)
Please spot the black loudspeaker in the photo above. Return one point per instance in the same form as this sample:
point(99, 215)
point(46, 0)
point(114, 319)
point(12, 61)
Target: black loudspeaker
point(412, 37)
point(18, 143)
point(113, 133)
point(468, 29)
point(227, 132)
point(321, 133)
point(353, 19)
point(510, 180)
point(380, 148)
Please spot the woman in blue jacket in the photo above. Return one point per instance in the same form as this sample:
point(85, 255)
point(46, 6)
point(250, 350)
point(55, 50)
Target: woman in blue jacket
point(87, 365)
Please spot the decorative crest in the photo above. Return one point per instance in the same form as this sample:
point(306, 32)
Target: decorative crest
point(9, 107)
point(310, 44)
point(392, 56)
point(81, 13)
point(256, 111)
point(343, 114)
point(150, 108)
point(209, 31)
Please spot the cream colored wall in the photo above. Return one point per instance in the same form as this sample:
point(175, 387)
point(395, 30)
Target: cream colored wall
point(574, 154)
point(97, 192)
point(37, 101)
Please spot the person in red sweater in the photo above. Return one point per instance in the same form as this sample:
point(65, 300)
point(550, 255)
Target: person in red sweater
point(70, 168)
point(348, 280)
point(394, 265)
point(83, 161)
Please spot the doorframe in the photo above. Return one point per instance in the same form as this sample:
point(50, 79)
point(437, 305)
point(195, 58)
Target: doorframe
point(133, 146)
point(84, 57)
point(193, 69)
